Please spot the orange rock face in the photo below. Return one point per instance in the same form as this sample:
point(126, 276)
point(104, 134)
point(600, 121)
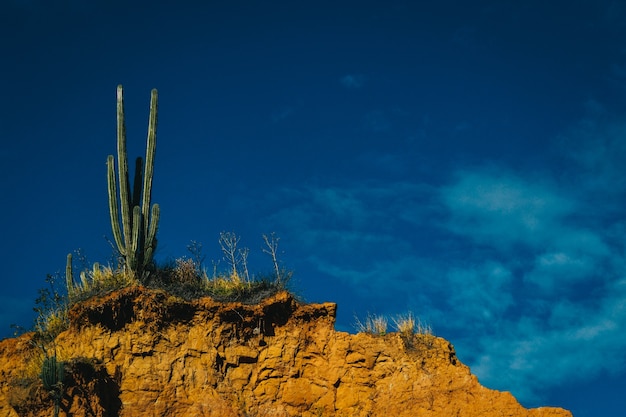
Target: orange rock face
point(139, 353)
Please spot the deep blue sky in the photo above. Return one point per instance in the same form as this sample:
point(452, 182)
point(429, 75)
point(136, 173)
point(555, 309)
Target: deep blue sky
point(464, 161)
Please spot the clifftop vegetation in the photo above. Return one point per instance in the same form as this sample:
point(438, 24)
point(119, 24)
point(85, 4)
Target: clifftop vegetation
point(134, 223)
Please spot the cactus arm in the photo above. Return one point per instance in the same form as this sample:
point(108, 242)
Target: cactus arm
point(135, 245)
point(113, 207)
point(125, 201)
point(156, 211)
point(151, 242)
point(149, 169)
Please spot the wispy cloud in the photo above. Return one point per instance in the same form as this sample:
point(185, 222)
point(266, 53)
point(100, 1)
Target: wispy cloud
point(522, 270)
point(377, 121)
point(492, 204)
point(576, 343)
point(568, 311)
point(597, 149)
point(282, 114)
point(352, 81)
point(358, 220)
point(515, 268)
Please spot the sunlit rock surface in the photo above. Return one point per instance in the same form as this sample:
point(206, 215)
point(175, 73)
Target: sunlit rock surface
point(140, 352)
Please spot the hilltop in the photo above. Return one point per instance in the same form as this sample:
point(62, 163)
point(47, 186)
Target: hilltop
point(144, 352)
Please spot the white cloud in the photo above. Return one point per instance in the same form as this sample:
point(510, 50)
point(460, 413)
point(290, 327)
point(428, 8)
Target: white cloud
point(534, 355)
point(480, 295)
point(486, 205)
point(567, 312)
point(495, 260)
point(554, 271)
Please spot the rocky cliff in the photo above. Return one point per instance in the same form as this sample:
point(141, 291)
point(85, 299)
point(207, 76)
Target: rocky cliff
point(139, 352)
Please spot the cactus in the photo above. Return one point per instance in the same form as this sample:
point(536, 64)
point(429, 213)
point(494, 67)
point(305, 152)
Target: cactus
point(136, 238)
point(69, 277)
point(52, 375)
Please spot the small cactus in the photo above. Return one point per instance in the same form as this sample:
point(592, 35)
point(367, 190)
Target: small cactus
point(52, 375)
point(69, 277)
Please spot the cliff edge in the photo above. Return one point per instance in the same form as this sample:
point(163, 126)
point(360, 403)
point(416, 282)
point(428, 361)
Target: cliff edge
point(139, 352)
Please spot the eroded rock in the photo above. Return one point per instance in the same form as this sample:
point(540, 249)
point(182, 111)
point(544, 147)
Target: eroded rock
point(140, 352)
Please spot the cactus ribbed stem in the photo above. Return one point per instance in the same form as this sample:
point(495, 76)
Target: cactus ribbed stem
point(122, 161)
point(136, 238)
point(52, 375)
point(113, 206)
point(150, 152)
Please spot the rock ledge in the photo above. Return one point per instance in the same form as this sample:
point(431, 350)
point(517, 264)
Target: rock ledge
point(139, 352)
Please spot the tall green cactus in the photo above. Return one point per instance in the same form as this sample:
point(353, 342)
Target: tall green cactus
point(136, 238)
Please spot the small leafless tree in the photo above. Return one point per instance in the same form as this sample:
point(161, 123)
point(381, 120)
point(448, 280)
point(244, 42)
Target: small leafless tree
point(195, 249)
point(228, 243)
point(243, 258)
point(271, 248)
point(234, 256)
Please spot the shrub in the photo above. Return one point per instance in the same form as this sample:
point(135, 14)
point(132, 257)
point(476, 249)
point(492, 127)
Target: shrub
point(53, 322)
point(184, 277)
point(51, 307)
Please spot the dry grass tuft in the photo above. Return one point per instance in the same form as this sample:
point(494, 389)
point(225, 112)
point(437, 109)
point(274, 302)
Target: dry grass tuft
point(374, 324)
point(99, 281)
point(408, 324)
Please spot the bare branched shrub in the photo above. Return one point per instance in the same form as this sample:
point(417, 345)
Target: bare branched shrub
point(51, 307)
point(233, 255)
point(271, 248)
point(197, 256)
point(187, 277)
point(243, 256)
